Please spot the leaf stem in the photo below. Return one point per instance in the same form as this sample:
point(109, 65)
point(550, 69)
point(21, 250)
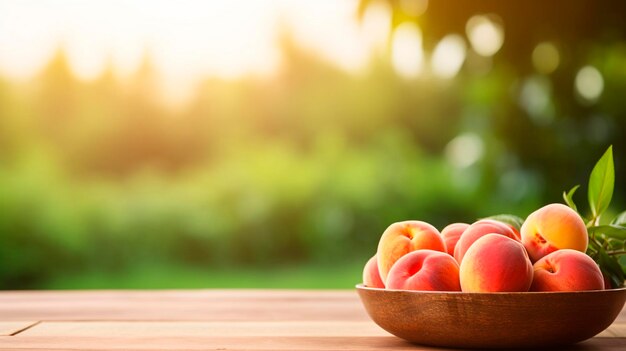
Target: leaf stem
point(595, 241)
point(593, 222)
point(616, 252)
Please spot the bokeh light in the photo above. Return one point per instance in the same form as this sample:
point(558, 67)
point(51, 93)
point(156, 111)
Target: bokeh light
point(535, 98)
point(464, 150)
point(376, 24)
point(486, 34)
point(589, 83)
point(406, 50)
point(546, 57)
point(448, 56)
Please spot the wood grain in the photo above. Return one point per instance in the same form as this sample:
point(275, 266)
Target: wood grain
point(206, 343)
point(13, 327)
point(207, 329)
point(200, 305)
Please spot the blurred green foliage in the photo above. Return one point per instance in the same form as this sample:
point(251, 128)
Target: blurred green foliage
point(101, 186)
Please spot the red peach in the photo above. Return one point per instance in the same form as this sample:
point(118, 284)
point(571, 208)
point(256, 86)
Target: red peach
point(515, 231)
point(566, 270)
point(371, 276)
point(451, 234)
point(551, 228)
point(607, 282)
point(477, 230)
point(425, 270)
point(496, 263)
point(403, 237)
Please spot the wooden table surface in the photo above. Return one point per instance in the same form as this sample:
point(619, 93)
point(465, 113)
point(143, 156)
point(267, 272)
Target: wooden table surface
point(207, 320)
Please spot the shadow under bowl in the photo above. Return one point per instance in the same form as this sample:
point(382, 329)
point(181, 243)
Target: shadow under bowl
point(493, 320)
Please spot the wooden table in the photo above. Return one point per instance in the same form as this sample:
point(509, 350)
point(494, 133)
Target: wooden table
point(207, 320)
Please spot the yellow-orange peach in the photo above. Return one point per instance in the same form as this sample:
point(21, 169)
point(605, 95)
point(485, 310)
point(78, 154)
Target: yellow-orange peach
point(477, 230)
point(451, 234)
point(425, 270)
point(553, 227)
point(403, 237)
point(495, 263)
point(566, 270)
point(371, 276)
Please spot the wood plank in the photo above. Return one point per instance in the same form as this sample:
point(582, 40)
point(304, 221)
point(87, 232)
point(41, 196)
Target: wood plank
point(174, 329)
point(190, 305)
point(12, 327)
point(209, 343)
point(140, 295)
point(249, 343)
point(189, 311)
point(205, 329)
point(202, 305)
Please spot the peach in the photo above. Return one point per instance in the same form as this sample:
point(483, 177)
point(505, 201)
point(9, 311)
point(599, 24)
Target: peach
point(425, 270)
point(477, 230)
point(566, 270)
point(451, 234)
point(515, 231)
point(607, 282)
point(551, 228)
point(403, 237)
point(495, 263)
point(371, 276)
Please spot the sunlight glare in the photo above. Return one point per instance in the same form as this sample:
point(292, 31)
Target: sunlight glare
point(227, 39)
point(376, 24)
point(329, 29)
point(25, 49)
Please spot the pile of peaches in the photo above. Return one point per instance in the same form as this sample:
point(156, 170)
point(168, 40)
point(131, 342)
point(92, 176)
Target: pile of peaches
point(546, 254)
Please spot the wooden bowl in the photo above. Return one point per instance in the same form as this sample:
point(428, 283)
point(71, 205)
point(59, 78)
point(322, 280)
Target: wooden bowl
point(493, 320)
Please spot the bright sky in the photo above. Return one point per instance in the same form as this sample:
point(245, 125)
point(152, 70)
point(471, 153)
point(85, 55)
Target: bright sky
point(192, 39)
point(187, 38)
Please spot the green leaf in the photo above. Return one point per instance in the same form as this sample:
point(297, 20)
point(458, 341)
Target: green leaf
point(616, 244)
point(568, 197)
point(509, 219)
point(611, 230)
point(592, 250)
point(601, 184)
point(611, 267)
point(620, 219)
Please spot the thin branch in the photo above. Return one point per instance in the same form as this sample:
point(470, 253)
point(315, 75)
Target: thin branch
point(616, 252)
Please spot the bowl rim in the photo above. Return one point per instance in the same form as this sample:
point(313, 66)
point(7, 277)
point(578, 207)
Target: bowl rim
point(362, 286)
